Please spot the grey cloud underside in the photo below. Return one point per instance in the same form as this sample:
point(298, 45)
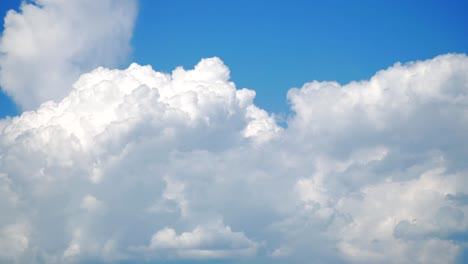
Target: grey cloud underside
point(140, 165)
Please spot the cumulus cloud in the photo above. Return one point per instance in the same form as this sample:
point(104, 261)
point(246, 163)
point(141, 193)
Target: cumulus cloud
point(204, 242)
point(137, 165)
point(49, 43)
point(128, 129)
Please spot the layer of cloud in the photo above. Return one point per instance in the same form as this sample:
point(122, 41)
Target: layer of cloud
point(48, 44)
point(137, 164)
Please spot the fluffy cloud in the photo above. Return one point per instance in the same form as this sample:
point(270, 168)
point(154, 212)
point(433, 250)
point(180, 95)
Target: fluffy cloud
point(134, 130)
point(137, 164)
point(49, 43)
point(204, 242)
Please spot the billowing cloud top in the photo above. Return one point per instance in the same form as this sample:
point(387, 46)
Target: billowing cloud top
point(49, 43)
point(137, 165)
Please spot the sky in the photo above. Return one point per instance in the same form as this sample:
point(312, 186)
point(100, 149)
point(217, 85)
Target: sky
point(272, 46)
point(139, 131)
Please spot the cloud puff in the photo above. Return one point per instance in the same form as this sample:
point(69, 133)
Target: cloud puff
point(49, 43)
point(137, 164)
point(204, 242)
point(126, 129)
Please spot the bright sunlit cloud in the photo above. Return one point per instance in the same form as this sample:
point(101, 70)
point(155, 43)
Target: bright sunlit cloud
point(49, 43)
point(133, 165)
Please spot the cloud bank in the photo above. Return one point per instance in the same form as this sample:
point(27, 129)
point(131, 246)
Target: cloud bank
point(48, 44)
point(139, 165)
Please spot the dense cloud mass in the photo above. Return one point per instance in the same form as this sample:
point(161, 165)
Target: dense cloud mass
point(139, 165)
point(48, 44)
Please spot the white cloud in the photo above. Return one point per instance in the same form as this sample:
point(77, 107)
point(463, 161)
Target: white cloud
point(90, 203)
point(72, 250)
point(13, 240)
point(404, 216)
point(94, 138)
point(281, 252)
point(211, 241)
point(49, 43)
point(136, 164)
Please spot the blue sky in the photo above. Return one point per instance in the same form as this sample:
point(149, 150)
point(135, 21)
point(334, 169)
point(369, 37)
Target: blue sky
point(271, 46)
point(7, 107)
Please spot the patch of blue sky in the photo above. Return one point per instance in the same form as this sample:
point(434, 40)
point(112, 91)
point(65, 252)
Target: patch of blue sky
point(271, 46)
